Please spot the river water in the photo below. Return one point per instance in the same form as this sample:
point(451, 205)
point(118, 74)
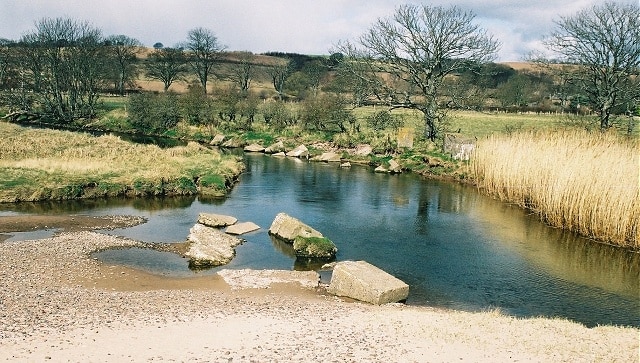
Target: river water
point(454, 247)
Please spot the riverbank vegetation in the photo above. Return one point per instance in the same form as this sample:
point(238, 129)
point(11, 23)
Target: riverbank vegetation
point(576, 180)
point(38, 164)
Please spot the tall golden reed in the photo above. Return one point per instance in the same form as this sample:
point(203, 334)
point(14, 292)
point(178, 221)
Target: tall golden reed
point(581, 181)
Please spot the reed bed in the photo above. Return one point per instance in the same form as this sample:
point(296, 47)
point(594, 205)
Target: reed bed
point(40, 164)
point(580, 181)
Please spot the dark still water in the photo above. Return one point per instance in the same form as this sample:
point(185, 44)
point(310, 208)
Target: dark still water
point(454, 247)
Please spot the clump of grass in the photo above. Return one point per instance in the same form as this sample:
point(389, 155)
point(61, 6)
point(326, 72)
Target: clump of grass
point(314, 247)
point(49, 164)
point(581, 181)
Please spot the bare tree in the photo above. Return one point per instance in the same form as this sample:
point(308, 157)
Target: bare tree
point(403, 60)
point(242, 72)
point(204, 51)
point(68, 59)
point(167, 65)
point(123, 52)
point(279, 74)
point(603, 42)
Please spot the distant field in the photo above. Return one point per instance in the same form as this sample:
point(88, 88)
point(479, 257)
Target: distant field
point(480, 124)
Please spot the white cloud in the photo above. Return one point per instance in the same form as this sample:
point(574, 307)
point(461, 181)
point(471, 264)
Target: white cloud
point(303, 26)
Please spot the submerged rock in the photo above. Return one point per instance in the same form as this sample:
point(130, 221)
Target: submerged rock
point(363, 281)
point(210, 247)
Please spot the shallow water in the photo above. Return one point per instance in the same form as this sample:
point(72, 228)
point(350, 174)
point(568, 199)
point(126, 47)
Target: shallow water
point(454, 247)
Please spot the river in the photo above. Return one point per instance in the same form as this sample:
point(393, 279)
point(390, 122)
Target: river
point(455, 247)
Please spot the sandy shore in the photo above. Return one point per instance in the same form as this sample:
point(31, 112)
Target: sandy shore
point(59, 304)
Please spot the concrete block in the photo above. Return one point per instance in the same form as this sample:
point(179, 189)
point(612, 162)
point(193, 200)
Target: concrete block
point(363, 281)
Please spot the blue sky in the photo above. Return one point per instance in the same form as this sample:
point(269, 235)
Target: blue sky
point(301, 26)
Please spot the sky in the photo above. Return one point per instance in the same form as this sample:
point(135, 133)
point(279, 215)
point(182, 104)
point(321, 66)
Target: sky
point(295, 26)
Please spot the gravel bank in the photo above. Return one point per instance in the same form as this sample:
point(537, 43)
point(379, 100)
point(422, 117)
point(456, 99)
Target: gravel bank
point(58, 304)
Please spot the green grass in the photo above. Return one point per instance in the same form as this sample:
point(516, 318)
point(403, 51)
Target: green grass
point(48, 164)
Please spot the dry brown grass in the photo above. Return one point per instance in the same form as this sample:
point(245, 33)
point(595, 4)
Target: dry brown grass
point(584, 182)
point(35, 164)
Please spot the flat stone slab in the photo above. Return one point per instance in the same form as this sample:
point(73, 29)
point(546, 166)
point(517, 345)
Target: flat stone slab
point(216, 220)
point(363, 281)
point(210, 247)
point(262, 279)
point(242, 228)
point(288, 228)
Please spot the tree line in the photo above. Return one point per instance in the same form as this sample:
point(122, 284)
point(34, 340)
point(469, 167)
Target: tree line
point(427, 58)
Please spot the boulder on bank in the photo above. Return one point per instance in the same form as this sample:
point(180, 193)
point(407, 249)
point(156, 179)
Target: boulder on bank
point(288, 228)
point(314, 247)
point(363, 150)
point(210, 247)
point(275, 148)
point(299, 152)
point(233, 143)
point(363, 281)
point(254, 148)
point(216, 220)
point(393, 167)
point(217, 140)
point(242, 228)
point(328, 157)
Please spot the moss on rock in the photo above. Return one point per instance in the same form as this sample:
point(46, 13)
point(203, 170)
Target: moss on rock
point(314, 247)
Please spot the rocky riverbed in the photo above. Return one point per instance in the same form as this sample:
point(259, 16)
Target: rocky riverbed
point(58, 303)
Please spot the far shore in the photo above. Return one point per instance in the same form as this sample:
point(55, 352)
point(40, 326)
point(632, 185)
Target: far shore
point(59, 304)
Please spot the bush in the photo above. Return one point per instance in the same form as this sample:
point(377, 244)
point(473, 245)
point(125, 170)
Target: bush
point(277, 115)
point(382, 120)
point(153, 113)
point(327, 113)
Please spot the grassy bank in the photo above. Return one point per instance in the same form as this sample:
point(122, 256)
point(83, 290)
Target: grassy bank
point(38, 164)
point(581, 181)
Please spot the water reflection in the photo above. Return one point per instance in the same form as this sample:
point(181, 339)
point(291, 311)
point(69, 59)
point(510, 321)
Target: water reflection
point(453, 246)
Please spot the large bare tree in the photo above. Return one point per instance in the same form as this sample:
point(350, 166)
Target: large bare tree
point(279, 74)
point(603, 42)
point(403, 60)
point(242, 72)
point(123, 52)
point(167, 65)
point(204, 52)
point(70, 69)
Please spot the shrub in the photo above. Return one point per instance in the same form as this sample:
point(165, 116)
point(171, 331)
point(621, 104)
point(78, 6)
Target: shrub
point(327, 113)
point(153, 113)
point(277, 115)
point(382, 120)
